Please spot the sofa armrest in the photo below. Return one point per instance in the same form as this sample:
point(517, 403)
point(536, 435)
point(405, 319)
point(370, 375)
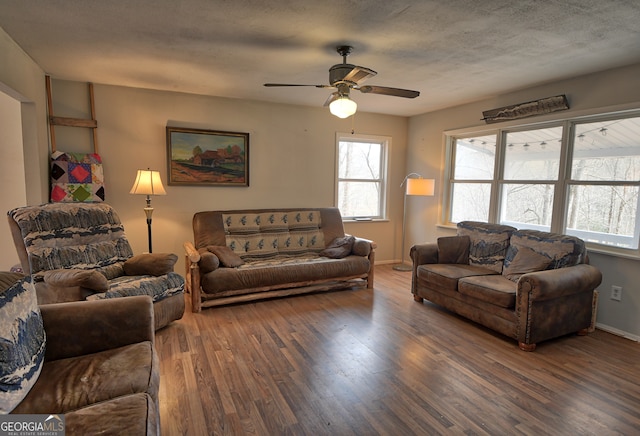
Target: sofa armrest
point(84, 327)
point(366, 247)
point(556, 283)
point(153, 264)
point(67, 278)
point(424, 253)
point(192, 274)
point(363, 247)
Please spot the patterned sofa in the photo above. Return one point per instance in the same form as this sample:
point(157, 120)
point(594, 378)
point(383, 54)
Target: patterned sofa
point(526, 284)
point(79, 251)
point(243, 255)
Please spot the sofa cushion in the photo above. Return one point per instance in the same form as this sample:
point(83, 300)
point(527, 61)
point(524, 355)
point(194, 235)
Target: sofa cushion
point(268, 234)
point(226, 256)
point(446, 276)
point(154, 264)
point(488, 243)
point(494, 289)
point(282, 270)
point(525, 261)
point(92, 378)
point(562, 250)
point(130, 415)
point(453, 249)
point(340, 247)
point(158, 288)
point(22, 343)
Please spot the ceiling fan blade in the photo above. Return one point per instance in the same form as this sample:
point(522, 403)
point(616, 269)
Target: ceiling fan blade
point(291, 84)
point(383, 90)
point(359, 74)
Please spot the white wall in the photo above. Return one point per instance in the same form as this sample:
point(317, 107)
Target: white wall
point(603, 91)
point(24, 165)
point(292, 157)
point(11, 170)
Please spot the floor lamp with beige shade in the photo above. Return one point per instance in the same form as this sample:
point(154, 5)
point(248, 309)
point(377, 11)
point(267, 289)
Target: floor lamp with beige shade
point(414, 186)
point(148, 183)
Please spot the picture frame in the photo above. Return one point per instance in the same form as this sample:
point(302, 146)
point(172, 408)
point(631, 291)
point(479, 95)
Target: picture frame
point(207, 157)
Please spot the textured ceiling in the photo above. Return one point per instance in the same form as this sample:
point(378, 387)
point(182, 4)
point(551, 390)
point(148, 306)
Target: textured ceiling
point(452, 51)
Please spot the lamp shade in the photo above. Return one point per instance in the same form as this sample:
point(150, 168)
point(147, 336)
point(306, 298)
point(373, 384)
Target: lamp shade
point(420, 186)
point(148, 183)
point(343, 107)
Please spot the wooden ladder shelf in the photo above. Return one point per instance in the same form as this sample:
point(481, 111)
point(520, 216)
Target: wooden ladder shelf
point(71, 122)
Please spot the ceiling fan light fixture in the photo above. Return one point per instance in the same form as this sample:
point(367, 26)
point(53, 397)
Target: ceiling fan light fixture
point(343, 107)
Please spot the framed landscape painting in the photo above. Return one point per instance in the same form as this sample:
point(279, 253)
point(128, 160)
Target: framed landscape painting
point(207, 157)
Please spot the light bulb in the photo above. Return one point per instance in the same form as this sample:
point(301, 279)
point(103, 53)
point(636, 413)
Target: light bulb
point(343, 107)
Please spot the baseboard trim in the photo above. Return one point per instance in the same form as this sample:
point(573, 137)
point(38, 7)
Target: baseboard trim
point(617, 332)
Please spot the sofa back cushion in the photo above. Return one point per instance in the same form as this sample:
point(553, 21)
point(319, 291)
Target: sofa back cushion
point(22, 343)
point(262, 235)
point(561, 250)
point(488, 243)
point(70, 235)
point(266, 233)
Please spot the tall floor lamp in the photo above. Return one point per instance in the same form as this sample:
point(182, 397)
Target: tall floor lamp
point(414, 186)
point(148, 183)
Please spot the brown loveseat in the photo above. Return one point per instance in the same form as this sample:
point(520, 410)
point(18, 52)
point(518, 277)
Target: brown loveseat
point(526, 284)
point(93, 362)
point(242, 255)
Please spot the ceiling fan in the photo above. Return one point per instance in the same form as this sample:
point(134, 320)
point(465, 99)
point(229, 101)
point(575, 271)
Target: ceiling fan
point(344, 77)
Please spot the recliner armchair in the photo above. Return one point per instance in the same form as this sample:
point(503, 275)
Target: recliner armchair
point(79, 251)
point(95, 362)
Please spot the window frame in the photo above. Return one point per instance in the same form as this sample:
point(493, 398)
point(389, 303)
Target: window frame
point(562, 185)
point(383, 180)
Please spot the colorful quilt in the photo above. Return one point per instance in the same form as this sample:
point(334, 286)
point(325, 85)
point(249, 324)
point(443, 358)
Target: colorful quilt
point(76, 177)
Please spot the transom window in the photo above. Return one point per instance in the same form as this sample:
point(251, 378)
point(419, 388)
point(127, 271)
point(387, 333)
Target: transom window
point(362, 172)
point(579, 177)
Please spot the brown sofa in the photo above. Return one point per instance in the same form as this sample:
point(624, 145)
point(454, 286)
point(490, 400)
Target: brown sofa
point(243, 255)
point(93, 362)
point(526, 284)
point(79, 251)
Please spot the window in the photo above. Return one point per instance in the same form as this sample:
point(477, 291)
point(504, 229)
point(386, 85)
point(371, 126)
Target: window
point(362, 172)
point(579, 177)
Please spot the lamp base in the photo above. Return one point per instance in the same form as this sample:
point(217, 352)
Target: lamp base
point(402, 267)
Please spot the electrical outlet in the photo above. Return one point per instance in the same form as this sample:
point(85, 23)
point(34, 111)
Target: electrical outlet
point(616, 293)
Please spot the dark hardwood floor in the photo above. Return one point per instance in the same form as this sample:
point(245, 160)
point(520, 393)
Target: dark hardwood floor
point(376, 362)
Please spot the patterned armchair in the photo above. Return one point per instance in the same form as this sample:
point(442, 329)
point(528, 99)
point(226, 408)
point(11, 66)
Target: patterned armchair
point(79, 251)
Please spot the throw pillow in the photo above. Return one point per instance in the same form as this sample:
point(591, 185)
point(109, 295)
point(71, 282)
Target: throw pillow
point(525, 261)
point(22, 343)
point(153, 264)
point(453, 249)
point(86, 278)
point(226, 256)
point(489, 243)
point(340, 247)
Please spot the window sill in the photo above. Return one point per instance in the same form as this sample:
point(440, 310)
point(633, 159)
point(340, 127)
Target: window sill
point(365, 220)
point(610, 251)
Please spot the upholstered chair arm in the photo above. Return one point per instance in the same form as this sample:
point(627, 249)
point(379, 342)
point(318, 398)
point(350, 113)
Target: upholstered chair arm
point(66, 278)
point(154, 264)
point(363, 247)
point(561, 282)
point(424, 253)
point(84, 327)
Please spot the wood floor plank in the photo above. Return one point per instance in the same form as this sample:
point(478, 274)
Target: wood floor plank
point(376, 362)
